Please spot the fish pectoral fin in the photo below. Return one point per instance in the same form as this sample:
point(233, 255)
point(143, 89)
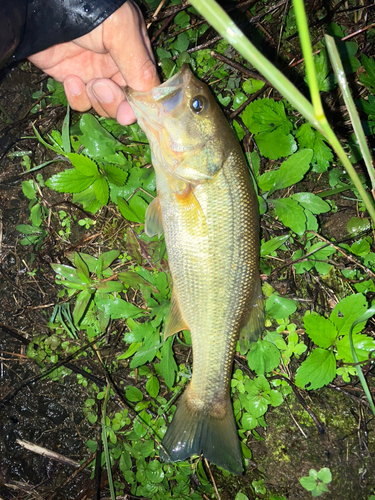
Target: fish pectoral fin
point(174, 322)
point(254, 322)
point(193, 213)
point(154, 221)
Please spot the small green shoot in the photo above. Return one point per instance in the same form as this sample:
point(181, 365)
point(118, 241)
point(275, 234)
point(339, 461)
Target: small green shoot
point(316, 482)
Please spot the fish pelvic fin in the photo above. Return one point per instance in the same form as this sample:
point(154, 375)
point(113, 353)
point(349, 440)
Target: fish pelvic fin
point(200, 431)
point(254, 322)
point(154, 220)
point(174, 323)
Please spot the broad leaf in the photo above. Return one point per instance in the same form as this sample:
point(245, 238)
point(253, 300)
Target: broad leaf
point(318, 370)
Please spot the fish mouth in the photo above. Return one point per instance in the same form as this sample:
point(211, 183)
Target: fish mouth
point(143, 100)
point(152, 108)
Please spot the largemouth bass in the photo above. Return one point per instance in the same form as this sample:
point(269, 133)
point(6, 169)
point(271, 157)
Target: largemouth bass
point(208, 210)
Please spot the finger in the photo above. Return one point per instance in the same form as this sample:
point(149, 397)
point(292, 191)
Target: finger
point(105, 96)
point(75, 91)
point(125, 114)
point(125, 37)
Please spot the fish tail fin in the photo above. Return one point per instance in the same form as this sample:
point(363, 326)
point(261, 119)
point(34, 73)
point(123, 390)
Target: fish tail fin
point(203, 431)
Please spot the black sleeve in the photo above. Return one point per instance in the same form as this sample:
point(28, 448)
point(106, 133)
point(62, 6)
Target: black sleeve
point(12, 22)
point(36, 25)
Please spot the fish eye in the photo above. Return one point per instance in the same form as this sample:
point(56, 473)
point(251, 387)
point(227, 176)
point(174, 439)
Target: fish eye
point(198, 104)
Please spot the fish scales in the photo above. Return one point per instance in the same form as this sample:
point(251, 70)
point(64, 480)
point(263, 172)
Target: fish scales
point(208, 211)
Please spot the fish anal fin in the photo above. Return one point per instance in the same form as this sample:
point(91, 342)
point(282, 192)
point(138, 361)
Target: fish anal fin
point(195, 432)
point(254, 322)
point(174, 322)
point(154, 221)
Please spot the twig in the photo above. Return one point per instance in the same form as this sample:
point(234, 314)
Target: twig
point(72, 476)
point(47, 453)
point(156, 13)
point(212, 478)
point(237, 66)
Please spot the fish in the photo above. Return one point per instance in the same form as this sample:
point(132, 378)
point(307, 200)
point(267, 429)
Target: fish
point(207, 208)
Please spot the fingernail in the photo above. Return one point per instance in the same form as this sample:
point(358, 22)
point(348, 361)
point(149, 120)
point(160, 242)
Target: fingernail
point(73, 87)
point(103, 92)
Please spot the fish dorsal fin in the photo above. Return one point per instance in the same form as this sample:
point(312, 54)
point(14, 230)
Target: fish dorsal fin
point(154, 221)
point(193, 213)
point(254, 322)
point(174, 322)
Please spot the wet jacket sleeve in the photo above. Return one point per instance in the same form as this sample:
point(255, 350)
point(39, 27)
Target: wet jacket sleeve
point(29, 26)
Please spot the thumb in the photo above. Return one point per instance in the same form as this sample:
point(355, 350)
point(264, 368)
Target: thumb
point(126, 39)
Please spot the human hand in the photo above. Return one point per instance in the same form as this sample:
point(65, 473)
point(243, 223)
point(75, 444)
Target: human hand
point(94, 67)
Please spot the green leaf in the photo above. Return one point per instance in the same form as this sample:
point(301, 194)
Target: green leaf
point(263, 357)
point(250, 86)
point(266, 115)
point(325, 475)
point(347, 311)
point(154, 472)
point(28, 189)
point(84, 165)
point(25, 229)
point(101, 190)
point(241, 496)
point(147, 351)
point(256, 405)
point(82, 302)
point(167, 365)
point(115, 175)
point(312, 202)
point(357, 226)
point(363, 345)
point(369, 79)
point(82, 269)
point(97, 141)
point(276, 398)
point(88, 200)
point(308, 482)
point(360, 248)
point(138, 206)
point(309, 137)
point(248, 422)
point(130, 278)
point(320, 330)
point(152, 386)
point(275, 144)
point(318, 370)
point(109, 287)
point(182, 42)
point(290, 172)
point(36, 215)
point(126, 211)
point(279, 307)
point(291, 214)
point(68, 272)
point(118, 308)
point(69, 181)
point(267, 119)
point(133, 394)
point(273, 244)
point(182, 19)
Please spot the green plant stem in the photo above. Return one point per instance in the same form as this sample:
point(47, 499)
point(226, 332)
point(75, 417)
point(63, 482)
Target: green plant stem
point(304, 35)
point(358, 130)
point(367, 315)
point(218, 18)
point(105, 444)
